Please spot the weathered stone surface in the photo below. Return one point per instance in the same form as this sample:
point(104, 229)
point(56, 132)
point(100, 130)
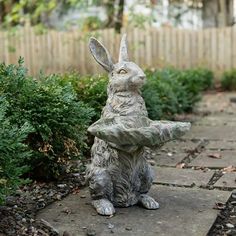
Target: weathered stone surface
point(221, 145)
point(227, 180)
point(218, 103)
point(218, 120)
point(181, 177)
point(174, 152)
point(183, 211)
point(227, 158)
point(212, 133)
point(180, 146)
point(164, 158)
point(119, 174)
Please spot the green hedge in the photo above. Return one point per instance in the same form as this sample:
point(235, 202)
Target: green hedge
point(13, 152)
point(92, 90)
point(228, 80)
point(170, 91)
point(58, 119)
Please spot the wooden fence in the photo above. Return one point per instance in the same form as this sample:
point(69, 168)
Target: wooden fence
point(55, 52)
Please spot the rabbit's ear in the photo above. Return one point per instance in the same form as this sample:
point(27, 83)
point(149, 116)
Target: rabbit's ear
point(123, 56)
point(100, 54)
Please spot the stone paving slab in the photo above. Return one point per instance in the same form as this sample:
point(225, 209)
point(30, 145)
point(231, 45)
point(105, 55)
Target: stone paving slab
point(163, 158)
point(216, 120)
point(221, 145)
point(227, 180)
point(218, 103)
point(180, 146)
point(174, 152)
point(212, 133)
point(203, 160)
point(181, 177)
point(183, 211)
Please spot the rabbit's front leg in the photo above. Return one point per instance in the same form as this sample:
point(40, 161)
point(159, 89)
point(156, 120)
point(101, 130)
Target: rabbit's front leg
point(101, 189)
point(148, 202)
point(103, 207)
point(146, 178)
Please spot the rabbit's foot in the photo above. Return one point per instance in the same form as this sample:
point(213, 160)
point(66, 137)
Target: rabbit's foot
point(148, 202)
point(103, 207)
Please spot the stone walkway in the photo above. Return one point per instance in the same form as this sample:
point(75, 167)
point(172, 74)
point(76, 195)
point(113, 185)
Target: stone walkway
point(193, 176)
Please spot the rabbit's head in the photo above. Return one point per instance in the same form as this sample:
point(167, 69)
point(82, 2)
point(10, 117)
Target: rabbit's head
point(124, 75)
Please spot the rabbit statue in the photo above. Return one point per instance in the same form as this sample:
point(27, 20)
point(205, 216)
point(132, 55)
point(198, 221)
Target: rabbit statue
point(119, 174)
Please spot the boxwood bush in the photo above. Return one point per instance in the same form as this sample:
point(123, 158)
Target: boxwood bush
point(13, 153)
point(228, 80)
point(170, 91)
point(163, 94)
point(59, 120)
point(92, 90)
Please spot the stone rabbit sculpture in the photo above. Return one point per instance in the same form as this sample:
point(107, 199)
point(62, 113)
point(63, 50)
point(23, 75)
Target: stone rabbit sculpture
point(119, 174)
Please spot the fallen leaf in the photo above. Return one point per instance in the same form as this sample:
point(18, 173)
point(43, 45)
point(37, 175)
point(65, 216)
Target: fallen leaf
point(180, 165)
point(219, 206)
point(230, 169)
point(214, 155)
point(76, 191)
point(203, 168)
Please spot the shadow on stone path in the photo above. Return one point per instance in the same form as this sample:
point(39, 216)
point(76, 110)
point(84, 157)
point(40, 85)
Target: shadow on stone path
point(193, 176)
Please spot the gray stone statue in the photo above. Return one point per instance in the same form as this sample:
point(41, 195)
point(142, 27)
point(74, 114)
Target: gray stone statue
point(119, 174)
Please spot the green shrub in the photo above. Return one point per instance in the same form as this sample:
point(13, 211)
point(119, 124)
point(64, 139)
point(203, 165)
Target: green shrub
point(170, 91)
point(162, 94)
point(194, 82)
point(92, 90)
point(228, 81)
point(13, 153)
point(51, 107)
point(206, 77)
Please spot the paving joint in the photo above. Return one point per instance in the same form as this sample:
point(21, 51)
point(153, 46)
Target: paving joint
point(220, 217)
point(194, 186)
point(195, 152)
point(175, 185)
point(216, 176)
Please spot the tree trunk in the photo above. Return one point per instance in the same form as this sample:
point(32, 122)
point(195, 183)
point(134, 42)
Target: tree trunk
point(119, 16)
point(115, 11)
point(217, 13)
point(110, 9)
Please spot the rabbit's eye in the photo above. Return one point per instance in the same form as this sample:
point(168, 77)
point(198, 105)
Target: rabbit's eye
point(122, 71)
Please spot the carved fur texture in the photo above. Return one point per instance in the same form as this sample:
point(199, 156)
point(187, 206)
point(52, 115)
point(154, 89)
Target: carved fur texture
point(120, 175)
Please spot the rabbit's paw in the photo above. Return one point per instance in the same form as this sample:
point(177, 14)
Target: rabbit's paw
point(103, 207)
point(148, 202)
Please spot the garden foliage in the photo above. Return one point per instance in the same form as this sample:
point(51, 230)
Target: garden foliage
point(170, 91)
point(92, 90)
point(13, 152)
point(58, 119)
point(228, 81)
